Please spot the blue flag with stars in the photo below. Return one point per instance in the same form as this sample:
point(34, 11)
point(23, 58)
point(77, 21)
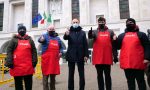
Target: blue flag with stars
point(37, 18)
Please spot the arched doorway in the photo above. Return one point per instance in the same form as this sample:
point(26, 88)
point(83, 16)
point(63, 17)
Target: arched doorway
point(3, 48)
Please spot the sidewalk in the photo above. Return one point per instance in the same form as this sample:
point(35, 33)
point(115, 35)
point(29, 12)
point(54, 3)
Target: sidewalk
point(118, 79)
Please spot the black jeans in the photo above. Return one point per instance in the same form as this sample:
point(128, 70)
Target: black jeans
point(71, 66)
point(106, 69)
point(147, 71)
point(19, 82)
point(52, 82)
point(132, 75)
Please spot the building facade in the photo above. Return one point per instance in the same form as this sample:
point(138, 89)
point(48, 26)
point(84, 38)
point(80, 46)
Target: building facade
point(17, 12)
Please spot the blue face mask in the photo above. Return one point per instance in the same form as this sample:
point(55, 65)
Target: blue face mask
point(75, 25)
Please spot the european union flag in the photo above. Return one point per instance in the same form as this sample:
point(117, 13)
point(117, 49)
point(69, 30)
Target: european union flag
point(37, 18)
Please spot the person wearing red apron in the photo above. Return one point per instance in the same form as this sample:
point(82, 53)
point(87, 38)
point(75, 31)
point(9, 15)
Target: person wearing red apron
point(134, 54)
point(50, 57)
point(147, 71)
point(21, 51)
point(103, 51)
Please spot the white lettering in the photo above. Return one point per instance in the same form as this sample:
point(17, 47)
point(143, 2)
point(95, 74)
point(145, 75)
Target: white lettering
point(24, 44)
point(103, 35)
point(132, 35)
point(54, 44)
point(14, 56)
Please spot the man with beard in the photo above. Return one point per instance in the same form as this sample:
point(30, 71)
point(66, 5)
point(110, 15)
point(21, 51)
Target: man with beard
point(134, 54)
point(77, 53)
point(104, 52)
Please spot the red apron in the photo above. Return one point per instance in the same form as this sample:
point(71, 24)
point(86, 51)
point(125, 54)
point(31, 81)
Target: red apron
point(102, 49)
point(132, 52)
point(50, 59)
point(22, 59)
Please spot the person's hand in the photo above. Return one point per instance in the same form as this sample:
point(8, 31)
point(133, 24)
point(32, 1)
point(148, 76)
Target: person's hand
point(85, 59)
point(115, 60)
point(115, 37)
point(9, 65)
point(60, 54)
point(145, 61)
point(90, 31)
point(42, 38)
point(68, 31)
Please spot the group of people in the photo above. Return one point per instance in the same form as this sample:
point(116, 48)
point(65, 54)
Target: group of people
point(133, 44)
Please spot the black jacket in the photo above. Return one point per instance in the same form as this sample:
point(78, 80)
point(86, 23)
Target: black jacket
point(143, 39)
point(77, 45)
point(12, 46)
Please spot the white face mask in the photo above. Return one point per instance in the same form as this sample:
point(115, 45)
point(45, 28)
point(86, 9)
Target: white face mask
point(75, 25)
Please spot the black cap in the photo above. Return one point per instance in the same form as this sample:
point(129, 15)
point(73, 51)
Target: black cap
point(21, 27)
point(131, 19)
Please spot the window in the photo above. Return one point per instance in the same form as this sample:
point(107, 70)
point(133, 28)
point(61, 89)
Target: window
point(1, 16)
point(55, 6)
point(34, 11)
point(57, 23)
point(124, 9)
point(75, 9)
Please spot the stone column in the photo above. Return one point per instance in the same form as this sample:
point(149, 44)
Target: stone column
point(6, 16)
point(28, 14)
point(66, 17)
point(84, 12)
point(113, 11)
point(134, 9)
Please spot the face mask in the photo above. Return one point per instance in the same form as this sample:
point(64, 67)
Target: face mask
point(102, 26)
point(130, 27)
point(51, 33)
point(75, 25)
point(22, 32)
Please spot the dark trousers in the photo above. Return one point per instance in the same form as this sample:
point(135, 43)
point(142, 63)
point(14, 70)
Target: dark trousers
point(147, 71)
point(132, 75)
point(148, 79)
point(52, 82)
point(19, 82)
point(71, 66)
point(106, 69)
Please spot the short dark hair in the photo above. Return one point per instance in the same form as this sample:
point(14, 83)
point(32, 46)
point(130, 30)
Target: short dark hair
point(131, 19)
point(21, 27)
point(102, 19)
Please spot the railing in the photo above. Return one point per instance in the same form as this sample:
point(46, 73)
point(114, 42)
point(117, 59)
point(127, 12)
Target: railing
point(4, 77)
point(38, 71)
point(4, 71)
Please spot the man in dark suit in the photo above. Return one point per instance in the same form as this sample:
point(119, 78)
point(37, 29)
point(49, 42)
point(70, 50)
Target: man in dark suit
point(77, 53)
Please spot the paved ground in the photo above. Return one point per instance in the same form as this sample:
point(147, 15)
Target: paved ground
point(118, 79)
